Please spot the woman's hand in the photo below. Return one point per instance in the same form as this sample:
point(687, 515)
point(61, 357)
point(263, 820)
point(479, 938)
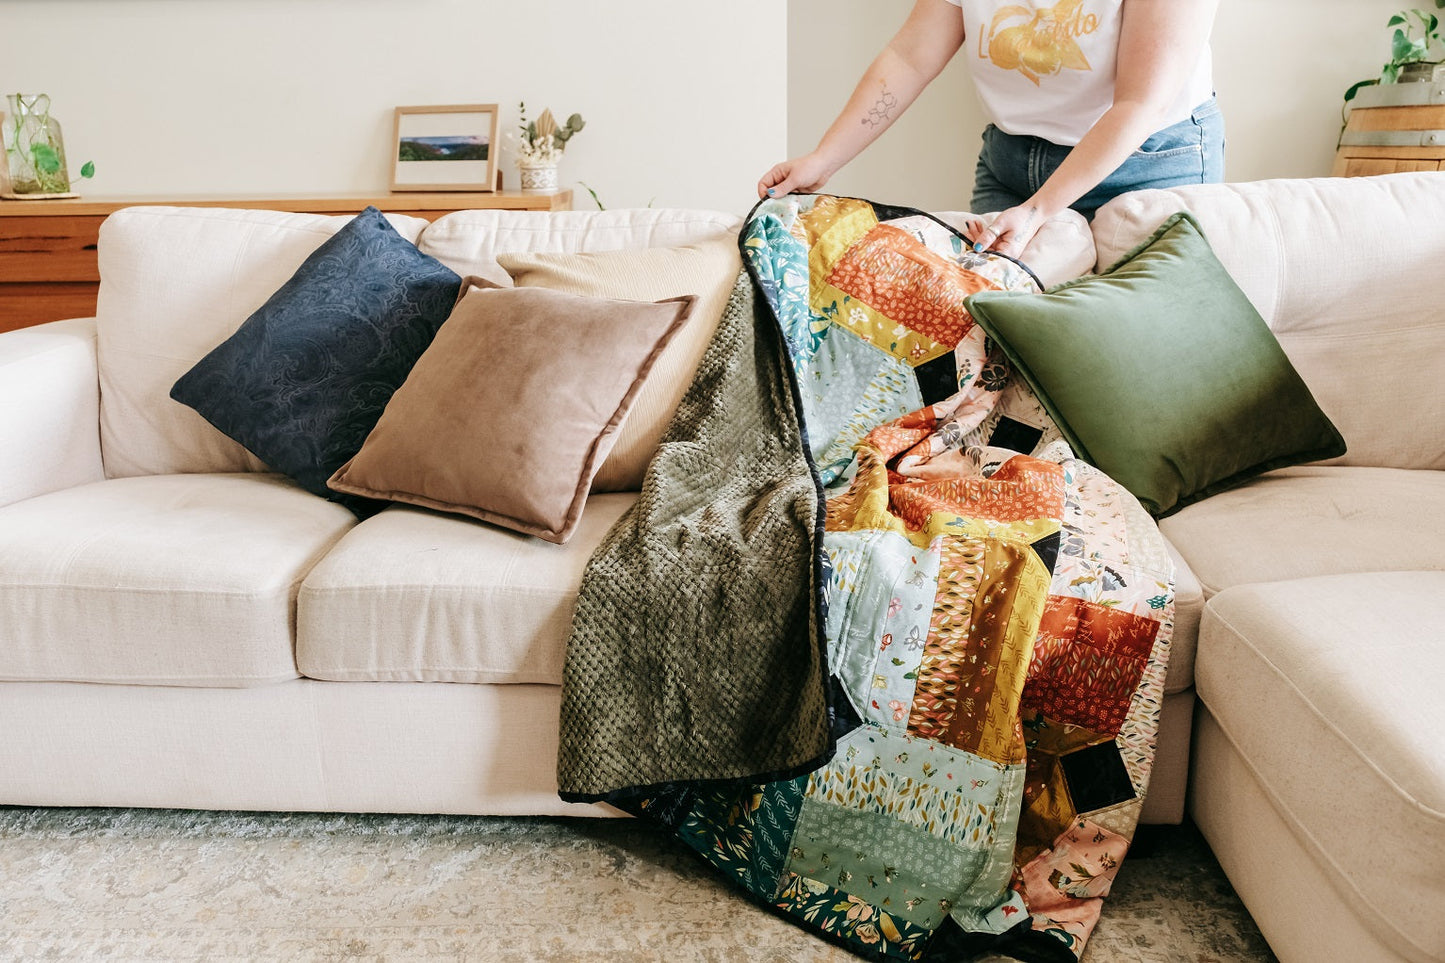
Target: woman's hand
point(806, 174)
point(1009, 233)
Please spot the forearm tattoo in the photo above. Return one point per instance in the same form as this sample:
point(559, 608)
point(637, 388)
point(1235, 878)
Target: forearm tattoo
point(882, 110)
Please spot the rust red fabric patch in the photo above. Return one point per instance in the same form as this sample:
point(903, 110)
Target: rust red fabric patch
point(1088, 659)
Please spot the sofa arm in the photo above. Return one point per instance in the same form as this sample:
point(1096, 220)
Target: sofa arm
point(49, 409)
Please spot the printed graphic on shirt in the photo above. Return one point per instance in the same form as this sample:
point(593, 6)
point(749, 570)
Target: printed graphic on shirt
point(1038, 41)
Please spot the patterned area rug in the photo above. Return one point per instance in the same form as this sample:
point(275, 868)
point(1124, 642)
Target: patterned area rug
point(133, 884)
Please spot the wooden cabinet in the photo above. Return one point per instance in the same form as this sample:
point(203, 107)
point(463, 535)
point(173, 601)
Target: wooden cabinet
point(47, 248)
point(1394, 128)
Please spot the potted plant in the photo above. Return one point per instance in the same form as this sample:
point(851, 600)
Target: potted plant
point(35, 149)
point(1412, 58)
point(540, 148)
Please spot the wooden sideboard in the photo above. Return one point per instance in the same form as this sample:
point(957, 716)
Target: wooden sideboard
point(48, 265)
point(1394, 128)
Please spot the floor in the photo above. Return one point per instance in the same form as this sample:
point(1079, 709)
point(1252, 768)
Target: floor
point(129, 884)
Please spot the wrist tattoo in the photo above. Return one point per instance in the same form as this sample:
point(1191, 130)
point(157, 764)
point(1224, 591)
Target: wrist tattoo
point(882, 110)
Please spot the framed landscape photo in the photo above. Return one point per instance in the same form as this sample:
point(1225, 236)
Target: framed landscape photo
point(449, 147)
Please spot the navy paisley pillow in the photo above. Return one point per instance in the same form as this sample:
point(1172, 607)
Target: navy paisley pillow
point(304, 380)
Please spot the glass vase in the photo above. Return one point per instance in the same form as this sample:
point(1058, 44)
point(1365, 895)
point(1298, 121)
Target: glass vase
point(34, 147)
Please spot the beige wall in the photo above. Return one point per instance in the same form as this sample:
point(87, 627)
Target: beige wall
point(1280, 68)
point(259, 96)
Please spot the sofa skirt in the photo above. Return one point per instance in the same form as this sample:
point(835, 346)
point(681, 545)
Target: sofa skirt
point(298, 746)
point(1295, 900)
point(310, 746)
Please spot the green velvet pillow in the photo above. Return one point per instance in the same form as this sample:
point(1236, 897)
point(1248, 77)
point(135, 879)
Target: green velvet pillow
point(1161, 373)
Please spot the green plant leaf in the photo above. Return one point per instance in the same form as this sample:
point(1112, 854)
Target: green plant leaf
point(1389, 74)
point(1396, 20)
point(595, 199)
point(47, 161)
point(87, 169)
point(1355, 88)
point(1402, 47)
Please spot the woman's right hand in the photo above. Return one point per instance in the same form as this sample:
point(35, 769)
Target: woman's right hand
point(802, 174)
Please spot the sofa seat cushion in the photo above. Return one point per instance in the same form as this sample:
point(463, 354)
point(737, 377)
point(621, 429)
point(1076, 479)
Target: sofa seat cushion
point(159, 580)
point(1314, 520)
point(1329, 690)
point(415, 596)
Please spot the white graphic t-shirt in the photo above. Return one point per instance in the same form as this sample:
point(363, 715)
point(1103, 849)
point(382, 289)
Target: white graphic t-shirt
point(1048, 70)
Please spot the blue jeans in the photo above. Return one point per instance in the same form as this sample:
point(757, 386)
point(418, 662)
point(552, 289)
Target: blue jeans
point(1012, 167)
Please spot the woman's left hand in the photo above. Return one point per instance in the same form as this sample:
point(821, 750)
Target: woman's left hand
point(1010, 232)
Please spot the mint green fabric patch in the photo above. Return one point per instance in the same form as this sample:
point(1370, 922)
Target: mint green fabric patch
point(875, 642)
point(906, 819)
point(1161, 373)
point(853, 386)
point(908, 872)
point(932, 786)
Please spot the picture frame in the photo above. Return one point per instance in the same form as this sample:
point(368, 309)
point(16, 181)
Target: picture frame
point(445, 147)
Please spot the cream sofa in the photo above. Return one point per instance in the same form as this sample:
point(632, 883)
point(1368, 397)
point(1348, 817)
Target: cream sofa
point(180, 628)
point(1318, 765)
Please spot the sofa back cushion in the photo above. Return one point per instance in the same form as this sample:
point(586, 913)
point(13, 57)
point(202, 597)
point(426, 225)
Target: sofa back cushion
point(468, 242)
point(1346, 272)
point(175, 283)
point(708, 269)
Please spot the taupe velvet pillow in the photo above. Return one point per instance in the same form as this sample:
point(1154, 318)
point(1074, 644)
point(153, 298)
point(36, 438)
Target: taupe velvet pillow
point(510, 412)
point(707, 268)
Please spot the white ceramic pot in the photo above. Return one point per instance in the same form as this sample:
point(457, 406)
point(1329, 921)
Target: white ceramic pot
point(538, 178)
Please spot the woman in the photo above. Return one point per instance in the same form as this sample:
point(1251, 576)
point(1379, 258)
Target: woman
point(1087, 98)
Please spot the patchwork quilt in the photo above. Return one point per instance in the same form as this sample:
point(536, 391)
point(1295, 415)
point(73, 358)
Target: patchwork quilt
point(974, 625)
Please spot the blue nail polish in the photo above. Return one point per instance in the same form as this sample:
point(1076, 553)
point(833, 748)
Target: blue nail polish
point(978, 247)
point(771, 192)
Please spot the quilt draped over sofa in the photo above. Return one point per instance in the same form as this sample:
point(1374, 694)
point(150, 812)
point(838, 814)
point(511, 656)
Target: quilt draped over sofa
point(872, 641)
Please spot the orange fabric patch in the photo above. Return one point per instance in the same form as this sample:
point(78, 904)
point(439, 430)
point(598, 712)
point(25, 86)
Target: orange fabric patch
point(1087, 661)
point(1024, 488)
point(892, 272)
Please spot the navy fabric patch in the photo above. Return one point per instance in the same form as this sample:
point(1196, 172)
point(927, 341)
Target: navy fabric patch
point(1097, 778)
point(304, 380)
point(670, 805)
point(1047, 549)
point(950, 943)
point(891, 212)
point(937, 379)
point(1015, 436)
